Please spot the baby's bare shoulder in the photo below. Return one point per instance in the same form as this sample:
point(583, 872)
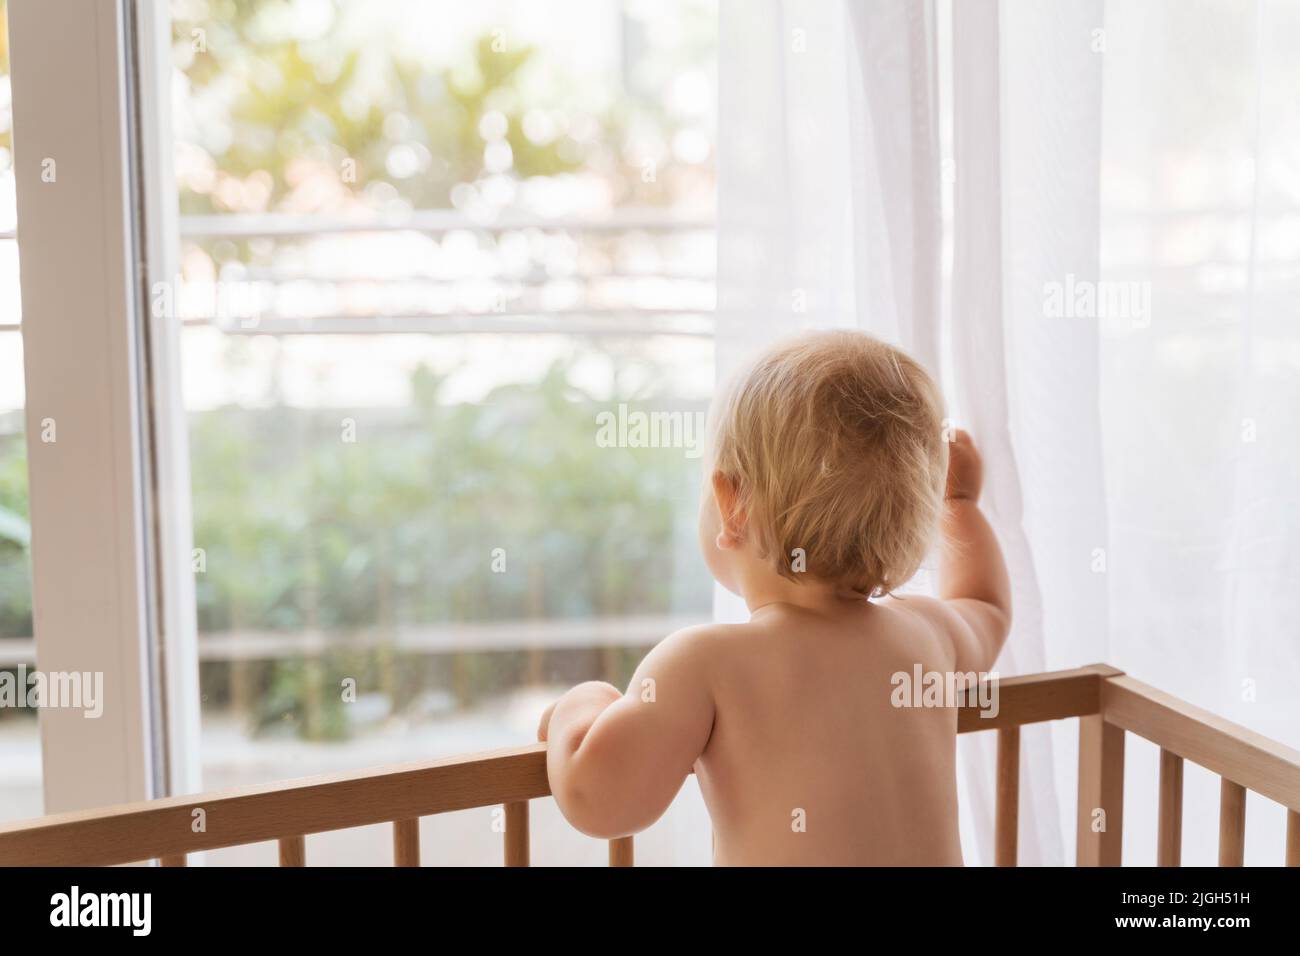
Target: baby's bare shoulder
point(931, 615)
point(922, 605)
point(692, 654)
point(704, 639)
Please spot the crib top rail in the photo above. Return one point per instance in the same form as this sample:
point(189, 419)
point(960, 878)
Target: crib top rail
point(1248, 759)
point(1110, 703)
point(159, 828)
point(1034, 698)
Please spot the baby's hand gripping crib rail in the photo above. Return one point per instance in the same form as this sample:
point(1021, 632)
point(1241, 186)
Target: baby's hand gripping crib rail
point(1107, 703)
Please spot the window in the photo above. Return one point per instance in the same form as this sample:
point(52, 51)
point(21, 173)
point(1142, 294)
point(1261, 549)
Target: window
point(20, 752)
point(424, 250)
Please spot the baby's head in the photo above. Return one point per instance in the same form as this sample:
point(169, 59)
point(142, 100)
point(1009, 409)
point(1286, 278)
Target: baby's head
point(826, 462)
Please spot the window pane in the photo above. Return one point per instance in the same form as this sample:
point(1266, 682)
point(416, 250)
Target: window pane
point(427, 250)
point(20, 746)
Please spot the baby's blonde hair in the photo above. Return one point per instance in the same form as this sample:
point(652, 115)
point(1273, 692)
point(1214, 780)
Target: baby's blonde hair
point(835, 443)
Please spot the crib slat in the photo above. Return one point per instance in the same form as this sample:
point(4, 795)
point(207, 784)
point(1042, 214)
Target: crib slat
point(1232, 823)
point(1007, 821)
point(173, 859)
point(620, 851)
point(1169, 846)
point(517, 833)
point(1101, 788)
point(293, 851)
point(1293, 838)
point(406, 842)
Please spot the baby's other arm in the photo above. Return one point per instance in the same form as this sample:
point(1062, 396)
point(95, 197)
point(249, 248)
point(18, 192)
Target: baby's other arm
point(616, 761)
point(973, 613)
point(973, 583)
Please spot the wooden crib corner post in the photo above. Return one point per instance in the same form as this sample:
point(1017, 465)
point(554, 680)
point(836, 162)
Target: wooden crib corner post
point(1101, 792)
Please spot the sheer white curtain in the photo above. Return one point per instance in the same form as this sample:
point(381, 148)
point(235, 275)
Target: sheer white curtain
point(1033, 133)
point(828, 171)
point(830, 215)
point(1084, 216)
point(1148, 159)
point(1200, 207)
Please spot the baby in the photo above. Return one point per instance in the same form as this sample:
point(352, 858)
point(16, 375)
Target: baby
point(828, 479)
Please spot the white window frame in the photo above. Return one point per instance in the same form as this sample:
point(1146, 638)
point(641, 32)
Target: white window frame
point(176, 638)
point(111, 594)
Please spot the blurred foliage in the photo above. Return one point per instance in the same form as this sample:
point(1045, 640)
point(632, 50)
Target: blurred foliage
point(303, 106)
point(304, 532)
point(15, 573)
point(303, 529)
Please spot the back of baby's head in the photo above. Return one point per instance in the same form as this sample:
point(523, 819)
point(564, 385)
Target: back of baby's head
point(835, 441)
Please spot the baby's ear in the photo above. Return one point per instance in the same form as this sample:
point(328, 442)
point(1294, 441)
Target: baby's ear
point(726, 492)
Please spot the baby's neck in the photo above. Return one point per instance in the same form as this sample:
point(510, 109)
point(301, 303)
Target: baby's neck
point(811, 594)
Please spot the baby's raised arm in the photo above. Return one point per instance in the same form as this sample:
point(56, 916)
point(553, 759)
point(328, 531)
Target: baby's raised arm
point(616, 761)
point(973, 582)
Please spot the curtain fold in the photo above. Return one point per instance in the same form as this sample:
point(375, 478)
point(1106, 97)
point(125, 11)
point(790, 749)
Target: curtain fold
point(1027, 138)
point(828, 189)
point(1050, 170)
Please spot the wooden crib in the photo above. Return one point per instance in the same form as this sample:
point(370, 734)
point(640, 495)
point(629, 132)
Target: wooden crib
point(1107, 703)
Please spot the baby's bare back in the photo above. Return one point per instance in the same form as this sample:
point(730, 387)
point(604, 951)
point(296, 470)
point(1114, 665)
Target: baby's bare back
point(810, 762)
